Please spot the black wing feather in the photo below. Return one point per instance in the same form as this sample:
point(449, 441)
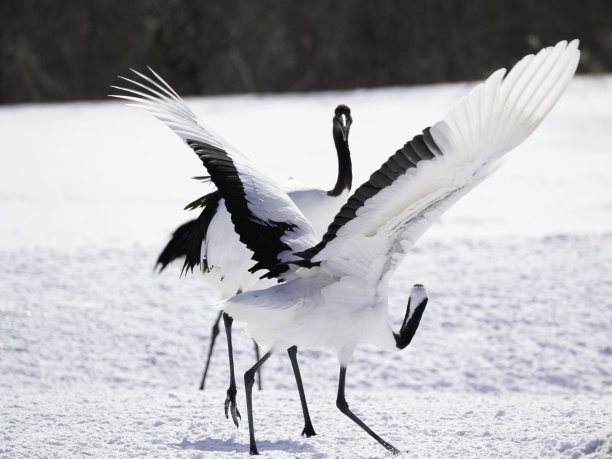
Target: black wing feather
point(265, 239)
point(186, 241)
point(420, 148)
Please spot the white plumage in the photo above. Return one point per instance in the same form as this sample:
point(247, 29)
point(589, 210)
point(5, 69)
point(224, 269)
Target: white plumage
point(343, 301)
point(224, 258)
point(335, 295)
point(229, 260)
point(351, 281)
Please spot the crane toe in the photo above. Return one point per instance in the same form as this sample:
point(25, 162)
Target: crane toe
point(308, 431)
point(231, 407)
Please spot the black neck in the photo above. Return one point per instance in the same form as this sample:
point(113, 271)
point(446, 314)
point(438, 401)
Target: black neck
point(410, 325)
point(345, 167)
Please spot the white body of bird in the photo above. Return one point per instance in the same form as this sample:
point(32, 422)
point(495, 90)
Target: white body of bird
point(343, 301)
point(229, 259)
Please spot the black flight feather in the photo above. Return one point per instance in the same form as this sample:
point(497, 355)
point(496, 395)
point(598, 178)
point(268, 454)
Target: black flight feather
point(420, 148)
point(263, 237)
point(186, 241)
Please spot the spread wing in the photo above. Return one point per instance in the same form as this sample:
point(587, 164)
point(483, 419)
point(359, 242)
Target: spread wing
point(264, 216)
point(385, 216)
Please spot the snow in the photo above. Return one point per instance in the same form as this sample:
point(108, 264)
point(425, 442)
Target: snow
point(101, 356)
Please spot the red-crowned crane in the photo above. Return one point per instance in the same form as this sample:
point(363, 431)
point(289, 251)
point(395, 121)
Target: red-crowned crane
point(335, 290)
point(210, 242)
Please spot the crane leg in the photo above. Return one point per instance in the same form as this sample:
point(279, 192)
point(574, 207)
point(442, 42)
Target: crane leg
point(249, 380)
point(230, 400)
point(308, 428)
point(257, 358)
point(343, 406)
point(215, 332)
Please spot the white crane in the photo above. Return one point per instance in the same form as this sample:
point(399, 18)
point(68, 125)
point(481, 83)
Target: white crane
point(335, 290)
point(210, 241)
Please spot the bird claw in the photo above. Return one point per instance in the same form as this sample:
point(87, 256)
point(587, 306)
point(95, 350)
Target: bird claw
point(308, 432)
point(230, 406)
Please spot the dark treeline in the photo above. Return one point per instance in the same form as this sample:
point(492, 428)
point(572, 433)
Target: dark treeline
point(54, 50)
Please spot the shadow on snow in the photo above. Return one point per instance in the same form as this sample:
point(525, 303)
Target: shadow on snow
point(214, 444)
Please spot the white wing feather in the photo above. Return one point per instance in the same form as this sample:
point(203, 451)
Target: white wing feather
point(265, 198)
point(491, 120)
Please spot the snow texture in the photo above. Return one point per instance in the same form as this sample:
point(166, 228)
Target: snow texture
point(101, 356)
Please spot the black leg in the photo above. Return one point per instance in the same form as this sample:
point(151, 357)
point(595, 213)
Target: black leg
point(308, 429)
point(249, 380)
point(215, 332)
point(257, 359)
point(343, 406)
point(230, 400)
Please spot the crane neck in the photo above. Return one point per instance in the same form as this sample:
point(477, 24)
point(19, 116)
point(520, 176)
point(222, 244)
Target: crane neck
point(345, 166)
point(414, 312)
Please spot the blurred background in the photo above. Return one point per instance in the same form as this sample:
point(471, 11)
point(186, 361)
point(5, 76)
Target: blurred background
point(70, 50)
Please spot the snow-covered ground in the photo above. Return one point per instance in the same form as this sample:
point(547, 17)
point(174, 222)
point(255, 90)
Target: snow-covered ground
point(101, 356)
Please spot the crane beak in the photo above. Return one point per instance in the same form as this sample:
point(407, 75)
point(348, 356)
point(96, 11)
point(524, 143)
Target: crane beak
point(345, 126)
